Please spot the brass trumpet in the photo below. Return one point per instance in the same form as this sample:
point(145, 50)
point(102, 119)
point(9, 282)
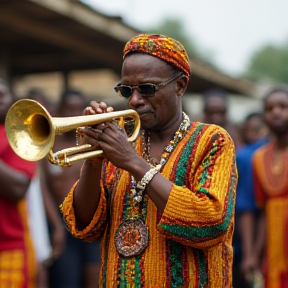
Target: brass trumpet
point(31, 132)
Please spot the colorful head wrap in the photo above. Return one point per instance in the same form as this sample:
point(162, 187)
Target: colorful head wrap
point(160, 46)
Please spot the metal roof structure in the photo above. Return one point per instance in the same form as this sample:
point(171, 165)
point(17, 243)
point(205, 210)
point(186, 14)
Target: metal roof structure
point(66, 35)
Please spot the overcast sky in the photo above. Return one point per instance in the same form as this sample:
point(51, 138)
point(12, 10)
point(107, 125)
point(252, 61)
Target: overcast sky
point(229, 29)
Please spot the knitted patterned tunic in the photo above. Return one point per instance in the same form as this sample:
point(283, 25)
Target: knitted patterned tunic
point(190, 243)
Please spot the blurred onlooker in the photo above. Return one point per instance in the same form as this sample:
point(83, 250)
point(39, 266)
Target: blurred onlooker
point(253, 128)
point(246, 213)
point(270, 166)
point(215, 110)
point(36, 209)
point(78, 264)
point(17, 256)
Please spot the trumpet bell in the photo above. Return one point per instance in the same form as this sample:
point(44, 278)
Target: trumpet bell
point(29, 130)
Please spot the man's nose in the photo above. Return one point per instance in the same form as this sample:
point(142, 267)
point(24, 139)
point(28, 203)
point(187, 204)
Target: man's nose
point(136, 97)
point(277, 110)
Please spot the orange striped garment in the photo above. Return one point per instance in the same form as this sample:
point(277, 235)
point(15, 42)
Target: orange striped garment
point(191, 241)
point(271, 191)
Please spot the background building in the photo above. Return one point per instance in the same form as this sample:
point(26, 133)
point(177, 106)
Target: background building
point(51, 44)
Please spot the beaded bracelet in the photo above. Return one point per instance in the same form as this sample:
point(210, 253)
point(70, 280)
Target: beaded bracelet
point(141, 185)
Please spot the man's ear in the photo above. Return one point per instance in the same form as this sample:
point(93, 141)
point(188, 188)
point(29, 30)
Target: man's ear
point(182, 83)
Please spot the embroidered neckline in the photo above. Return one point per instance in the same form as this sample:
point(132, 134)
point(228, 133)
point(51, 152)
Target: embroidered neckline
point(275, 170)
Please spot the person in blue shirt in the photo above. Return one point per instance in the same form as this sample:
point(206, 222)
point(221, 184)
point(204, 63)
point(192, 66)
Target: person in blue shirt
point(254, 136)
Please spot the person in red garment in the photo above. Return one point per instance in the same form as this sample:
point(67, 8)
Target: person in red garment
point(270, 171)
point(17, 257)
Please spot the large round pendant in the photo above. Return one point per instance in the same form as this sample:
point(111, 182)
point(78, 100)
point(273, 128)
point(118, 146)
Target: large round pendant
point(131, 237)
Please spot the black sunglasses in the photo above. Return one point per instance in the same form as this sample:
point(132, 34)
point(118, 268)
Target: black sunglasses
point(145, 89)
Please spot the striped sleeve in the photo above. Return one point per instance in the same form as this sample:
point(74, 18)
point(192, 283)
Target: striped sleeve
point(97, 225)
point(200, 212)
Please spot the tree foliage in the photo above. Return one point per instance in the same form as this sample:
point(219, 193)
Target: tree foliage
point(269, 63)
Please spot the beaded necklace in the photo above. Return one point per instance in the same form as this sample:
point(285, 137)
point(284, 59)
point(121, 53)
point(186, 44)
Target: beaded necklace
point(177, 137)
point(132, 237)
point(145, 143)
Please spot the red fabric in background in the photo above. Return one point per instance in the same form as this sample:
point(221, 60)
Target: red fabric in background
point(11, 158)
point(12, 230)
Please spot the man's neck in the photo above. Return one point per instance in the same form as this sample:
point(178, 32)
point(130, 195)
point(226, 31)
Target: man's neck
point(168, 131)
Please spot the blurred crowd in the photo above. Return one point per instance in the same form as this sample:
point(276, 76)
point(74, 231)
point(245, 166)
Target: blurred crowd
point(56, 259)
point(33, 234)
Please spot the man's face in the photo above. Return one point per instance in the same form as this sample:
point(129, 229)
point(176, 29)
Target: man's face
point(158, 111)
point(5, 102)
point(215, 111)
point(276, 112)
point(253, 130)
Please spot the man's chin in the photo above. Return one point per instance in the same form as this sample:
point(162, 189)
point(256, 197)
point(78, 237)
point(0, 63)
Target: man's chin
point(279, 130)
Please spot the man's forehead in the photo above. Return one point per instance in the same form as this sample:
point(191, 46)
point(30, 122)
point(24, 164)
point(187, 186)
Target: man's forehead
point(216, 100)
point(144, 65)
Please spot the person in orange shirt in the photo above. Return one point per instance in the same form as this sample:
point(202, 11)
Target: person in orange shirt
point(270, 166)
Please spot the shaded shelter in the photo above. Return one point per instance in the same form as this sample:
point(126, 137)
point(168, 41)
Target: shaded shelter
point(68, 35)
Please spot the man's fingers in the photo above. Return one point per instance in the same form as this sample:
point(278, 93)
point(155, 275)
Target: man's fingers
point(97, 108)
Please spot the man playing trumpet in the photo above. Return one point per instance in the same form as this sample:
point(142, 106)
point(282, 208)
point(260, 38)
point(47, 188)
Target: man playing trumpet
point(164, 205)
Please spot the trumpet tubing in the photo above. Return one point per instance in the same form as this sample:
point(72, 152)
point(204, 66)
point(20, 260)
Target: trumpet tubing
point(31, 131)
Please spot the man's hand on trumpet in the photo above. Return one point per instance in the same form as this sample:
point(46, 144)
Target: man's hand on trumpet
point(97, 108)
point(108, 137)
point(88, 134)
